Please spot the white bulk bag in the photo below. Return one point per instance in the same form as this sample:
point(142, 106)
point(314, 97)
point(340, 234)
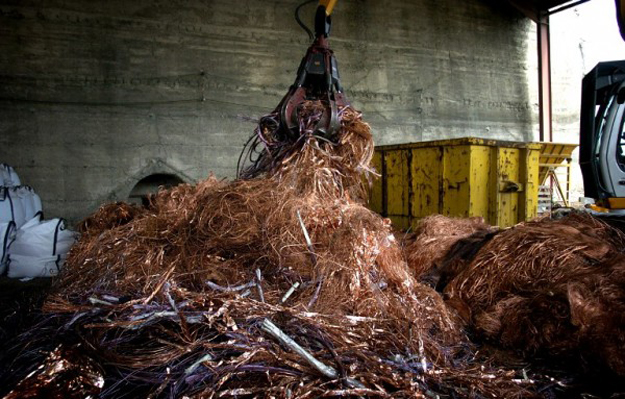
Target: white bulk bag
point(6, 207)
point(21, 266)
point(30, 200)
point(8, 177)
point(18, 204)
point(42, 239)
point(34, 221)
point(40, 248)
point(7, 235)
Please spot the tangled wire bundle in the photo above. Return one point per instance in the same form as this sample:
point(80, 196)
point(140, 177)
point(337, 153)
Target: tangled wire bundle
point(433, 247)
point(279, 284)
point(550, 287)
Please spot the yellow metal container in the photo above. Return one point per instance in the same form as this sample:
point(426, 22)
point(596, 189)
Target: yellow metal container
point(466, 177)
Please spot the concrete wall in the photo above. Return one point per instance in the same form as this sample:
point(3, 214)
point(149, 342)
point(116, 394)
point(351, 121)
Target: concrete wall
point(96, 95)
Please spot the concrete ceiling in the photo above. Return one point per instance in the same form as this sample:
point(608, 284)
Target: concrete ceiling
point(534, 8)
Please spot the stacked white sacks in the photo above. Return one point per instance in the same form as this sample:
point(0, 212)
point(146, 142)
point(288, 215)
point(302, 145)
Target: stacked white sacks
point(29, 246)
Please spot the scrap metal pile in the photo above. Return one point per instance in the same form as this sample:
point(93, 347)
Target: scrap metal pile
point(551, 288)
point(439, 245)
point(283, 284)
point(552, 291)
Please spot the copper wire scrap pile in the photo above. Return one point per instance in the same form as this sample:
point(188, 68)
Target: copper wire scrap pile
point(551, 291)
point(279, 284)
point(550, 288)
point(439, 245)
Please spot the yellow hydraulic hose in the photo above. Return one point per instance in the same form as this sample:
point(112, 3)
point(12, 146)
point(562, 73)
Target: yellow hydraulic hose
point(328, 4)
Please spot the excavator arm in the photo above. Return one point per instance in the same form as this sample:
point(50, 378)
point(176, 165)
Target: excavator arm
point(317, 80)
point(329, 5)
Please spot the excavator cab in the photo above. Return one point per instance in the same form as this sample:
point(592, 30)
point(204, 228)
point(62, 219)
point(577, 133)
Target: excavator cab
point(602, 134)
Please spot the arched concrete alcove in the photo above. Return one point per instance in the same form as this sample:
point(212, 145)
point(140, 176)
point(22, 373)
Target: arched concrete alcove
point(150, 185)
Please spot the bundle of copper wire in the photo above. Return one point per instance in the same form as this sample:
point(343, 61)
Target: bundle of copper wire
point(432, 248)
point(109, 216)
point(278, 284)
point(552, 288)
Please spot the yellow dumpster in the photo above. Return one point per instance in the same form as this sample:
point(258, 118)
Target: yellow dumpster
point(465, 177)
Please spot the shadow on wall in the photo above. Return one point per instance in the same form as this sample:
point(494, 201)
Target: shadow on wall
point(150, 185)
point(505, 9)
